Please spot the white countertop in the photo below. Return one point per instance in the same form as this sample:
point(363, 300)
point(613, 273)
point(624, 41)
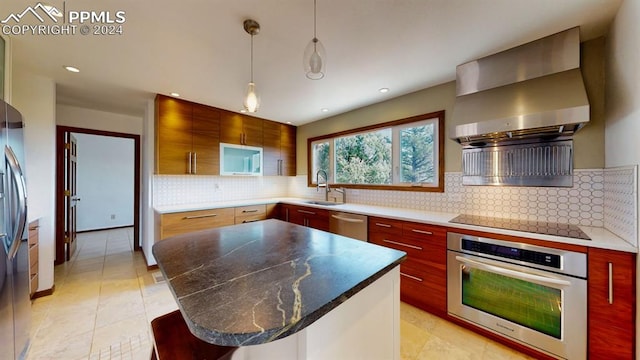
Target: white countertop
point(600, 237)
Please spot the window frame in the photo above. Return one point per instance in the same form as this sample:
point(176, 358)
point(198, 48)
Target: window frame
point(396, 125)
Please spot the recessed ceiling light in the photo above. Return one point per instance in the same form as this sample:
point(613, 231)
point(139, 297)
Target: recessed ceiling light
point(175, 94)
point(72, 69)
point(384, 90)
point(324, 110)
point(243, 110)
point(288, 122)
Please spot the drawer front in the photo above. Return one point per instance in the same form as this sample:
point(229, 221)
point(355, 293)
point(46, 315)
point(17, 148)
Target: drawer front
point(190, 221)
point(33, 270)
point(417, 250)
point(251, 210)
point(250, 218)
point(33, 255)
point(423, 231)
point(386, 226)
point(33, 284)
point(424, 286)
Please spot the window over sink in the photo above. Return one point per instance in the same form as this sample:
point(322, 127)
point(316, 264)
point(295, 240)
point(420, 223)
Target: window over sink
point(406, 154)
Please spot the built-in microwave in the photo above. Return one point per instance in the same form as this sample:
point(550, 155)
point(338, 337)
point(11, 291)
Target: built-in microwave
point(240, 160)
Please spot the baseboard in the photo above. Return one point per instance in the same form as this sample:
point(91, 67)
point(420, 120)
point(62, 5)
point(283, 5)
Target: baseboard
point(43, 293)
point(103, 229)
point(149, 267)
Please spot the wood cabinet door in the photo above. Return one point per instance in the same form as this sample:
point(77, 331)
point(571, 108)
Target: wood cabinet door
point(206, 140)
point(611, 304)
point(287, 150)
point(231, 128)
point(173, 135)
point(252, 128)
point(271, 148)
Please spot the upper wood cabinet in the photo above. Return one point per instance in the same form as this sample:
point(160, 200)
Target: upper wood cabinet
point(187, 137)
point(240, 129)
point(279, 143)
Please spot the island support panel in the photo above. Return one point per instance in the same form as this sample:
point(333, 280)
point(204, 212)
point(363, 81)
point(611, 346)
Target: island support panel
point(366, 326)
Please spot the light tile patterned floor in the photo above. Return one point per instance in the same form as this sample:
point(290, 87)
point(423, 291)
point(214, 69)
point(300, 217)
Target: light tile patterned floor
point(105, 300)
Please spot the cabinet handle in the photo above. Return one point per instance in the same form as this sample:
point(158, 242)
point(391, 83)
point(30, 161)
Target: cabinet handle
point(383, 225)
point(279, 167)
point(411, 277)
point(189, 165)
point(199, 216)
point(610, 283)
point(306, 212)
point(422, 232)
point(402, 244)
point(249, 211)
point(250, 221)
point(195, 163)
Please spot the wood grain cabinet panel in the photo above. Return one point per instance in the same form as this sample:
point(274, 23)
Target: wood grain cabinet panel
point(246, 214)
point(611, 304)
point(206, 139)
point(187, 137)
point(306, 216)
point(173, 135)
point(423, 280)
point(279, 144)
point(240, 129)
point(173, 224)
point(33, 243)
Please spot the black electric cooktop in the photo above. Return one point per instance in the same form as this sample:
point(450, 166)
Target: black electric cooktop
point(538, 227)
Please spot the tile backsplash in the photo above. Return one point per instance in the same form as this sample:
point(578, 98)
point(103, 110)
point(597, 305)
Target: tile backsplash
point(583, 204)
point(599, 197)
point(189, 189)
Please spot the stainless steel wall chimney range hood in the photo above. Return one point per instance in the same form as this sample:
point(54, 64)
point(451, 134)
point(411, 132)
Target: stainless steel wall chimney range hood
point(517, 111)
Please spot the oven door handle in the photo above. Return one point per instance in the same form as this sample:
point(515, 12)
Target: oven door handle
point(542, 280)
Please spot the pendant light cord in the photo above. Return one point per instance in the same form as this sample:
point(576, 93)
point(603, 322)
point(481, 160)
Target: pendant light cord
point(251, 57)
point(314, 19)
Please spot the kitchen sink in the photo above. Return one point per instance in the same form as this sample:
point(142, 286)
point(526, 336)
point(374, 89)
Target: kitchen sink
point(324, 203)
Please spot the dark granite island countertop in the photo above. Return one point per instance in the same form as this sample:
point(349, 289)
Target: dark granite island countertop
point(254, 283)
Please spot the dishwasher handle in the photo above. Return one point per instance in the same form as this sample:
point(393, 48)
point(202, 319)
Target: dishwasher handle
point(351, 220)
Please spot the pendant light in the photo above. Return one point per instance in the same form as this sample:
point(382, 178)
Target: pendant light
point(251, 100)
point(314, 55)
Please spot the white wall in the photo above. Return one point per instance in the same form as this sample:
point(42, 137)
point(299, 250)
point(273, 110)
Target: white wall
point(622, 114)
point(35, 97)
point(73, 116)
point(148, 225)
point(105, 181)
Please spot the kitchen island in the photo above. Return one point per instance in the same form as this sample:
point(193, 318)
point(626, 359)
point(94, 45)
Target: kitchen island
point(279, 290)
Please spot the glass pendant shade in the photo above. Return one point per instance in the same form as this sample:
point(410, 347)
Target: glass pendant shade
point(314, 60)
point(251, 101)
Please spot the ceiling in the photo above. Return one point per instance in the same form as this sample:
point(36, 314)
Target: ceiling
point(199, 49)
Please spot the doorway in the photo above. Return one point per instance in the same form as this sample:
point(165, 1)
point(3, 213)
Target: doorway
point(67, 197)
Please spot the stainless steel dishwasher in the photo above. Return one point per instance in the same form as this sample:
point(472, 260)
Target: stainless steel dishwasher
point(349, 225)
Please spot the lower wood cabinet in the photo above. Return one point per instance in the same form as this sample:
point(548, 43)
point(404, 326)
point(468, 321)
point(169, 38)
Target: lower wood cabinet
point(423, 281)
point(247, 214)
point(611, 304)
point(305, 216)
point(33, 256)
point(172, 224)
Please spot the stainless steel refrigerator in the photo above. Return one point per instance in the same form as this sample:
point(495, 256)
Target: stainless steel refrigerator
point(15, 305)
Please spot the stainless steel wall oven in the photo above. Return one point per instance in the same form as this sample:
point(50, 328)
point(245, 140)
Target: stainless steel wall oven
point(534, 295)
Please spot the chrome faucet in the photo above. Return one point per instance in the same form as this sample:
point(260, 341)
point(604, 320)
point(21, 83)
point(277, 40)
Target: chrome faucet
point(342, 191)
point(327, 189)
